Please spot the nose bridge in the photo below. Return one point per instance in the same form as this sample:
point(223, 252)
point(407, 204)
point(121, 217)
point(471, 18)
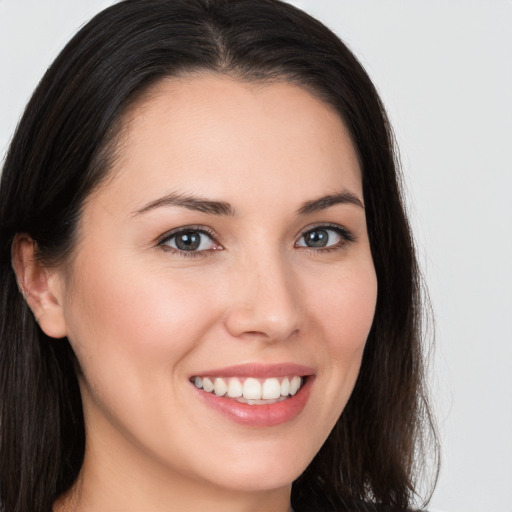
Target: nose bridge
point(266, 302)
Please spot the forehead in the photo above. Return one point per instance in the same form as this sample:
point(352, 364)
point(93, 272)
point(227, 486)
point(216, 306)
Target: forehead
point(215, 135)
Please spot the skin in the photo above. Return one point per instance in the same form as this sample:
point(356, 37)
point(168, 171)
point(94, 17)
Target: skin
point(142, 317)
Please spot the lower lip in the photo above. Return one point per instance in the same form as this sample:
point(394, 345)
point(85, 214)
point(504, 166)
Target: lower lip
point(260, 415)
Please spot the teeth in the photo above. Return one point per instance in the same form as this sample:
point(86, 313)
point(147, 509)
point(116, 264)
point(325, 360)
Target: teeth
point(295, 385)
point(207, 385)
point(251, 390)
point(219, 387)
point(285, 387)
point(235, 389)
point(270, 389)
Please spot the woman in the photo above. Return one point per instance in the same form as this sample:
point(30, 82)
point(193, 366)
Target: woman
point(209, 291)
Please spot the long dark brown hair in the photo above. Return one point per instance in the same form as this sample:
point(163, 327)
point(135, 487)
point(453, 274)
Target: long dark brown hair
point(62, 150)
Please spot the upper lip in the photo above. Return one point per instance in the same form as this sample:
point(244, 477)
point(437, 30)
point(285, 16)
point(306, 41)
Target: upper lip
point(259, 370)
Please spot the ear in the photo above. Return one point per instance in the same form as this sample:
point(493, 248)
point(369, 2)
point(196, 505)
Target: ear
point(41, 287)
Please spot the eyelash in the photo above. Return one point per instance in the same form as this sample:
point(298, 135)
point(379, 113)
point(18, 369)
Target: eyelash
point(346, 236)
point(188, 229)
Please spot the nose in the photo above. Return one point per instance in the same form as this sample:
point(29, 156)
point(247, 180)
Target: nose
point(264, 303)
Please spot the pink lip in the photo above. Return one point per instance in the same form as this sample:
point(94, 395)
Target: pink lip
point(259, 415)
point(259, 371)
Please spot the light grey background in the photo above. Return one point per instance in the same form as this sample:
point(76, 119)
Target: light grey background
point(444, 70)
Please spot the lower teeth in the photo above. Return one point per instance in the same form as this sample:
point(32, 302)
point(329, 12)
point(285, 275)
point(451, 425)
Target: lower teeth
point(243, 400)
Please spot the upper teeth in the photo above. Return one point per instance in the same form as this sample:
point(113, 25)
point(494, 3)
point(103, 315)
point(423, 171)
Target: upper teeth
point(250, 388)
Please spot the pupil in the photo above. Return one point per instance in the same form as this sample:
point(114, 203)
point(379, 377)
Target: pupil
point(317, 238)
point(188, 241)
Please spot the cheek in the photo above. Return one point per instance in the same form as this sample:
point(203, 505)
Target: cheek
point(347, 308)
point(340, 315)
point(132, 320)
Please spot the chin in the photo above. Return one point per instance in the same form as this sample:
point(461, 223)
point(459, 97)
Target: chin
point(262, 472)
point(263, 479)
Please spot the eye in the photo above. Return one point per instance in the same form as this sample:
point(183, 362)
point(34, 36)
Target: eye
point(325, 237)
point(190, 240)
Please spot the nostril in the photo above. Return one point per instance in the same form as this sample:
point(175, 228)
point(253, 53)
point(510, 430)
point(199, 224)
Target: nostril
point(258, 323)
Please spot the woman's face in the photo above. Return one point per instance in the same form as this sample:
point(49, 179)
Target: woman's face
point(229, 247)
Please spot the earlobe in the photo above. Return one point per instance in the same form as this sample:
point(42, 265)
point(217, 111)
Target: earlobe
point(41, 287)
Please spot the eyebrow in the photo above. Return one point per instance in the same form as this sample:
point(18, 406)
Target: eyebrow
point(197, 204)
point(203, 205)
point(322, 203)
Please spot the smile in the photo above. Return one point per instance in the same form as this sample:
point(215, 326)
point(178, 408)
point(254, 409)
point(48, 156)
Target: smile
point(256, 395)
point(250, 390)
